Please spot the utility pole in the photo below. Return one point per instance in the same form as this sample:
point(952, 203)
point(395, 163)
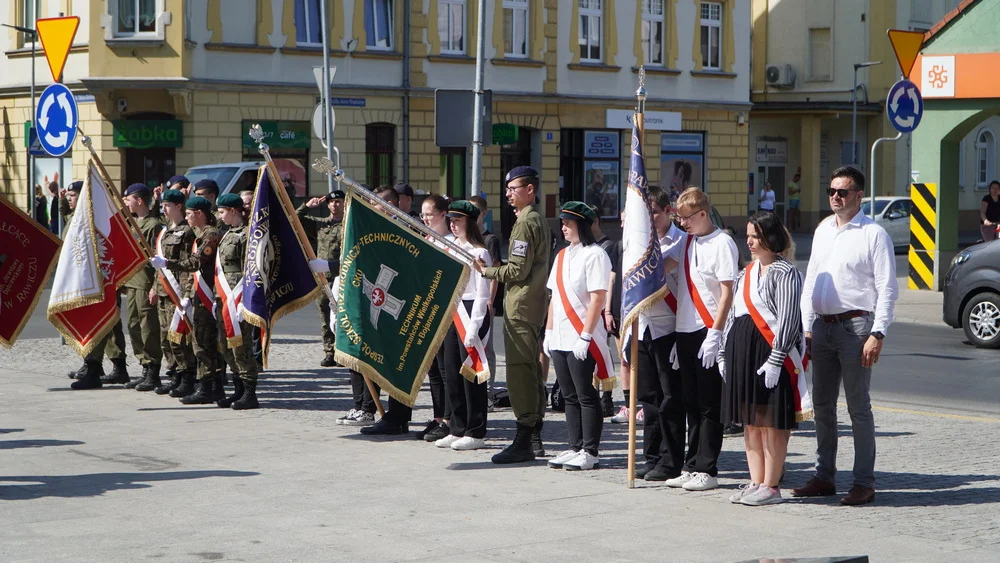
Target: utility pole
point(854, 109)
point(477, 134)
point(327, 110)
point(30, 158)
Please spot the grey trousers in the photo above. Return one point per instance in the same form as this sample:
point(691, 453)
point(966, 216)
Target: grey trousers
point(836, 357)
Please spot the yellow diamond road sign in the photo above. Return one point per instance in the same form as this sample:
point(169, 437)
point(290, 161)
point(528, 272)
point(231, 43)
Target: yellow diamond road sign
point(56, 35)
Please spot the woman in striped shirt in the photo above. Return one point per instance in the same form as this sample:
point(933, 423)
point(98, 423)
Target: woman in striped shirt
point(763, 358)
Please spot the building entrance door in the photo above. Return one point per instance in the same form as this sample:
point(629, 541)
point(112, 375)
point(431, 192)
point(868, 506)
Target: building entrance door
point(149, 166)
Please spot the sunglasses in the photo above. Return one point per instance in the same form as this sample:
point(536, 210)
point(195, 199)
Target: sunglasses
point(841, 193)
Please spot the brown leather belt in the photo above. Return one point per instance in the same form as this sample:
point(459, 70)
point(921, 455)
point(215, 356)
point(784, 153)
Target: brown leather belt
point(841, 317)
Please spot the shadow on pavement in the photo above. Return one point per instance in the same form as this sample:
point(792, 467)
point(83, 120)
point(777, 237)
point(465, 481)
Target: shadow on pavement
point(10, 430)
point(19, 444)
point(96, 484)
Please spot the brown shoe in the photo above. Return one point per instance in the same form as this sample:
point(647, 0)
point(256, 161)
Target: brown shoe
point(859, 495)
point(816, 487)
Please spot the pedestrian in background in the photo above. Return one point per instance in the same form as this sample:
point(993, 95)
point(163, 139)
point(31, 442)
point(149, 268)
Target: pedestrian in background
point(847, 302)
point(989, 212)
point(767, 198)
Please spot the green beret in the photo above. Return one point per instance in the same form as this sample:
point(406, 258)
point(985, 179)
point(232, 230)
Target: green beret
point(173, 196)
point(463, 208)
point(199, 203)
point(577, 210)
point(229, 200)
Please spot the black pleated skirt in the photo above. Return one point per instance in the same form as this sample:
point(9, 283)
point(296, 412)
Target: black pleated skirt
point(746, 400)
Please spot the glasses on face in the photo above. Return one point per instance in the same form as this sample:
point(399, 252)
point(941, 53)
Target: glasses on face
point(687, 217)
point(511, 189)
point(841, 193)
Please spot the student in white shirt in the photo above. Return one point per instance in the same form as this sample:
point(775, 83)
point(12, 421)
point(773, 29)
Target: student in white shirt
point(434, 212)
point(463, 353)
point(847, 302)
point(575, 337)
point(707, 265)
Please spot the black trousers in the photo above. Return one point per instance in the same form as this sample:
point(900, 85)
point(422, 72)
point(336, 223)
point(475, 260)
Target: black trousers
point(363, 400)
point(435, 379)
point(653, 373)
point(700, 393)
point(396, 413)
point(584, 416)
point(467, 399)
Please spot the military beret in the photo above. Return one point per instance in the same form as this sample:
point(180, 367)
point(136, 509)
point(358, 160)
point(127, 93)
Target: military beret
point(463, 208)
point(229, 200)
point(207, 184)
point(520, 172)
point(337, 194)
point(140, 189)
point(577, 210)
point(76, 186)
point(403, 189)
point(198, 203)
point(173, 196)
point(182, 180)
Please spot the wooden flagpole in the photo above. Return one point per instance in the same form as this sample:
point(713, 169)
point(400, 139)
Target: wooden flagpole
point(633, 376)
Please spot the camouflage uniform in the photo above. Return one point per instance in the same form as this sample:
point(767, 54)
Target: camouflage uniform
point(202, 259)
point(176, 247)
point(232, 249)
point(329, 235)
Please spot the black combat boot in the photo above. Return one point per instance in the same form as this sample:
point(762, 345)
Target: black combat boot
point(536, 439)
point(329, 361)
point(186, 386)
point(78, 374)
point(135, 382)
point(171, 371)
point(91, 378)
point(118, 375)
point(219, 389)
point(237, 393)
point(203, 394)
point(249, 398)
point(152, 379)
point(520, 449)
point(168, 386)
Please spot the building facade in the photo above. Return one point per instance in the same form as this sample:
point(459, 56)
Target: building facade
point(164, 85)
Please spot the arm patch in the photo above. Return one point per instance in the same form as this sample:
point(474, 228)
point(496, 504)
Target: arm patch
point(519, 248)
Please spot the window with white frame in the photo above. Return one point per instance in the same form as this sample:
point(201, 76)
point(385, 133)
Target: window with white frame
point(307, 23)
point(515, 28)
point(135, 17)
point(378, 24)
point(590, 30)
point(652, 31)
point(711, 35)
point(451, 26)
point(30, 9)
point(986, 158)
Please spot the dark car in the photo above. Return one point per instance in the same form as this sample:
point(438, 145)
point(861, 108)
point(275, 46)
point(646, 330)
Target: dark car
point(972, 294)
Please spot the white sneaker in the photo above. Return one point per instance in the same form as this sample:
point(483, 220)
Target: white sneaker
point(350, 414)
point(558, 461)
point(447, 441)
point(679, 481)
point(763, 496)
point(360, 418)
point(621, 417)
point(468, 443)
point(583, 461)
point(701, 482)
point(743, 491)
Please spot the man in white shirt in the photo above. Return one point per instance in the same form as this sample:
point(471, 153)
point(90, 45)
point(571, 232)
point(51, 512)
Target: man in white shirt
point(847, 301)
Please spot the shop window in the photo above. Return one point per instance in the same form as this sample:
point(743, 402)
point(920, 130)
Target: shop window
point(378, 24)
point(986, 158)
point(515, 28)
point(652, 31)
point(451, 26)
point(307, 20)
point(820, 54)
point(380, 150)
point(452, 172)
point(711, 35)
point(590, 30)
point(682, 158)
point(602, 171)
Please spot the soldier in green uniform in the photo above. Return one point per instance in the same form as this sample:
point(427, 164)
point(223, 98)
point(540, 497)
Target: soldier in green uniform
point(237, 350)
point(329, 233)
point(173, 246)
point(525, 304)
point(208, 189)
point(143, 323)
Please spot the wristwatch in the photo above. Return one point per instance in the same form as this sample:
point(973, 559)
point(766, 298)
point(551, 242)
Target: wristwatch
point(878, 335)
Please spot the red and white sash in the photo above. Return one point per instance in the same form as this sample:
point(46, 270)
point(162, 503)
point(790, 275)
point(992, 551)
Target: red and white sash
point(604, 371)
point(795, 362)
point(181, 323)
point(693, 289)
point(201, 287)
point(474, 368)
point(230, 299)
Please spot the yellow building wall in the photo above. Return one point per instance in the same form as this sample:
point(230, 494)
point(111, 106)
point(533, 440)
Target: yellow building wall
point(165, 60)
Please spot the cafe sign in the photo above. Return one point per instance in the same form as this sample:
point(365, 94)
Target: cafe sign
point(279, 134)
point(147, 134)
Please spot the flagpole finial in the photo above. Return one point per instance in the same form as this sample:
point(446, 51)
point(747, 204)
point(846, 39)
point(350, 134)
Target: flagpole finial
point(257, 134)
point(641, 92)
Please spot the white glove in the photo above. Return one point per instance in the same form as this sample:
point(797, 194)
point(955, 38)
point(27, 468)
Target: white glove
point(470, 339)
point(722, 367)
point(674, 363)
point(546, 342)
point(319, 266)
point(582, 346)
point(186, 303)
point(771, 374)
point(158, 262)
point(709, 351)
point(239, 312)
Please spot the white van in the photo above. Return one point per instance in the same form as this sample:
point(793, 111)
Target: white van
point(230, 177)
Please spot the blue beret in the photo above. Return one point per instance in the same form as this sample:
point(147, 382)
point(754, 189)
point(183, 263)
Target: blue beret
point(520, 172)
point(76, 186)
point(173, 196)
point(229, 200)
point(206, 184)
point(137, 189)
point(199, 203)
point(182, 180)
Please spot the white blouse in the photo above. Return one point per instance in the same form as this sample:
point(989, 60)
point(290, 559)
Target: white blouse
point(588, 269)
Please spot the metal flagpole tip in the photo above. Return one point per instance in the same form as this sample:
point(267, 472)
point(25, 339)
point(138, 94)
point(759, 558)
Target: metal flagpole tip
point(323, 165)
point(257, 134)
point(641, 92)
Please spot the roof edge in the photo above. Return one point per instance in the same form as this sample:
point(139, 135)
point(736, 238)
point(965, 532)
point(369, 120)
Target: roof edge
point(947, 19)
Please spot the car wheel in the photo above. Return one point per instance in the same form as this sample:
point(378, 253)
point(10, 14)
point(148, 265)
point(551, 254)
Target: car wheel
point(981, 320)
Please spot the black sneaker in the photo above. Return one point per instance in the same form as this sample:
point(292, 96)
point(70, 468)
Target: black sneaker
point(431, 425)
point(435, 434)
point(385, 428)
point(733, 431)
point(657, 474)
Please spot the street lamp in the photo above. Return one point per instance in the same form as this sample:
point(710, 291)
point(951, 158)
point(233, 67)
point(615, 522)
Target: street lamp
point(31, 159)
point(854, 109)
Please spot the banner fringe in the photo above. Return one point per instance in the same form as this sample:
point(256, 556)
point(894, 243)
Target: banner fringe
point(644, 305)
point(804, 415)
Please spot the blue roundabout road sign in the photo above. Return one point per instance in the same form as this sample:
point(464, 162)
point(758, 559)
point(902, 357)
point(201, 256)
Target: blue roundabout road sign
point(56, 118)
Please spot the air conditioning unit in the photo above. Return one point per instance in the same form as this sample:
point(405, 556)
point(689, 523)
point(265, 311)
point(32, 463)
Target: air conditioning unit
point(780, 76)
